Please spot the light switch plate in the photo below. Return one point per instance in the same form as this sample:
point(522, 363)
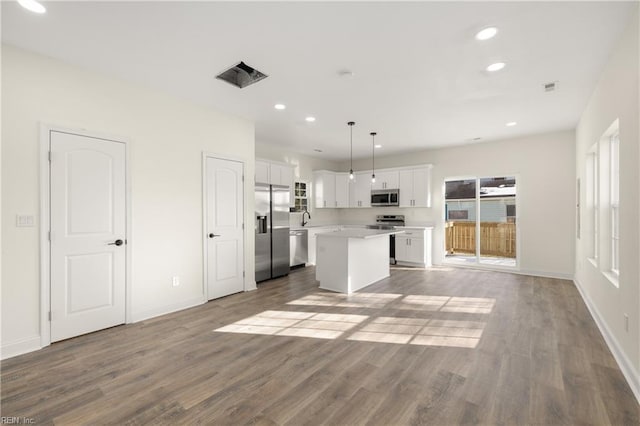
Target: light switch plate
point(25, 221)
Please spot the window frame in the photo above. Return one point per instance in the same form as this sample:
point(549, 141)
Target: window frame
point(614, 204)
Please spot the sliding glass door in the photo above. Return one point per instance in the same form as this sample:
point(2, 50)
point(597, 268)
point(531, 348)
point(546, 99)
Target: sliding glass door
point(480, 221)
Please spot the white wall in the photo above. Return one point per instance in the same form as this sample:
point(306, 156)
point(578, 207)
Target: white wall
point(615, 97)
point(303, 170)
point(167, 138)
point(545, 168)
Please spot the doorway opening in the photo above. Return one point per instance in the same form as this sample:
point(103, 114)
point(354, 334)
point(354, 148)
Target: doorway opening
point(481, 222)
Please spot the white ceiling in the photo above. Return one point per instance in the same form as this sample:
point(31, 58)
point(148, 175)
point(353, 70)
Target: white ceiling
point(419, 73)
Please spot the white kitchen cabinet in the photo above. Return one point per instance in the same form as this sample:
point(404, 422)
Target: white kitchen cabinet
point(274, 173)
point(413, 247)
point(311, 241)
point(342, 190)
point(324, 186)
point(281, 174)
point(386, 180)
point(415, 187)
point(360, 190)
point(262, 172)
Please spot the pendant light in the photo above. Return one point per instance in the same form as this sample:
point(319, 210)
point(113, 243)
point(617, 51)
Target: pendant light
point(351, 124)
point(373, 156)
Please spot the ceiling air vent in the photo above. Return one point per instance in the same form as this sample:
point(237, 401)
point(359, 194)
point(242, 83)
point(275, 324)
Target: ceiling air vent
point(550, 87)
point(241, 75)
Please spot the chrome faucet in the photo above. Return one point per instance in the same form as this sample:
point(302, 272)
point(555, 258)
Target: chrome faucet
point(303, 213)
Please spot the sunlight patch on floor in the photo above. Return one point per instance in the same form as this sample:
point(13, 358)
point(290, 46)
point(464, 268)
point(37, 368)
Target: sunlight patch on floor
point(355, 300)
point(471, 305)
point(289, 323)
point(421, 331)
point(397, 330)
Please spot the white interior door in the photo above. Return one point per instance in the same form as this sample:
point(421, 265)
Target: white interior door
point(88, 234)
point(225, 242)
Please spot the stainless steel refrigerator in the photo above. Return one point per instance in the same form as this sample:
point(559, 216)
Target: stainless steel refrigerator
point(272, 231)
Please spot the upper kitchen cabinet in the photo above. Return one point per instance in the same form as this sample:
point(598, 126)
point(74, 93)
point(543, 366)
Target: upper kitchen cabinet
point(274, 173)
point(386, 179)
point(324, 189)
point(281, 174)
point(415, 187)
point(342, 190)
point(360, 190)
point(262, 172)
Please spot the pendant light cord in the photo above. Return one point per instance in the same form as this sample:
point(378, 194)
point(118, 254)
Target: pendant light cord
point(351, 124)
point(373, 154)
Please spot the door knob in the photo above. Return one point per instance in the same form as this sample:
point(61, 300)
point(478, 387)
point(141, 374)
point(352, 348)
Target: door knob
point(116, 243)
point(212, 235)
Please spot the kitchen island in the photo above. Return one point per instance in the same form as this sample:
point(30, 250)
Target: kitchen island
point(352, 259)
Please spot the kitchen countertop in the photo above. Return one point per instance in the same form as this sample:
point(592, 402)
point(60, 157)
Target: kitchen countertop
point(415, 227)
point(363, 225)
point(359, 233)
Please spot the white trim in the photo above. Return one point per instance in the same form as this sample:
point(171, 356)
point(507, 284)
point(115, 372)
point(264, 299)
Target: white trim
point(45, 226)
point(544, 274)
point(508, 270)
point(626, 366)
point(205, 251)
point(19, 347)
point(167, 309)
point(45, 248)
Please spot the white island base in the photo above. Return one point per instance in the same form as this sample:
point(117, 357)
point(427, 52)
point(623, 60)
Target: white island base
point(349, 260)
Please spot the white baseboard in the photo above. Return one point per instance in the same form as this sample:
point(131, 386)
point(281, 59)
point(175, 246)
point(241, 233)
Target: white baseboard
point(508, 270)
point(544, 274)
point(19, 347)
point(626, 366)
point(251, 286)
point(167, 309)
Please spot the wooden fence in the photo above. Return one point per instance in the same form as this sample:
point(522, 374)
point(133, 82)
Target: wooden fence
point(496, 238)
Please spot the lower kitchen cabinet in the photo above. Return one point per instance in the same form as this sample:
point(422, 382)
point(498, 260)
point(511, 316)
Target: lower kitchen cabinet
point(312, 233)
point(413, 247)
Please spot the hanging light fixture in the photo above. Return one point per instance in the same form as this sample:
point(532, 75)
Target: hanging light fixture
point(351, 124)
point(373, 156)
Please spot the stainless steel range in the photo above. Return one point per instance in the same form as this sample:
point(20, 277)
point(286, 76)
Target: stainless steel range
point(389, 221)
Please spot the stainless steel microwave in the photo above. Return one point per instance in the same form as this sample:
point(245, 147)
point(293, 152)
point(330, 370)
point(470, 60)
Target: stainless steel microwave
point(385, 197)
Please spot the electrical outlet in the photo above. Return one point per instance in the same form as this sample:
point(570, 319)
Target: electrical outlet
point(626, 323)
point(176, 281)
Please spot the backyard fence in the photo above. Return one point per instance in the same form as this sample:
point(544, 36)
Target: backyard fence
point(496, 238)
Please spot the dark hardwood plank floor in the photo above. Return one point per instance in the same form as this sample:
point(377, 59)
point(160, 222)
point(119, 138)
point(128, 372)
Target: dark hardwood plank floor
point(442, 346)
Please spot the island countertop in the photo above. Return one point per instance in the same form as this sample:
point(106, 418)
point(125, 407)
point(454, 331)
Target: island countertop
point(360, 233)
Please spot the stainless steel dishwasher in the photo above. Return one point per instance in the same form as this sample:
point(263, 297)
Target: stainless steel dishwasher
point(298, 254)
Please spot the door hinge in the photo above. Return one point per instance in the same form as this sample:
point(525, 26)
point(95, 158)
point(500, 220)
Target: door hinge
point(49, 235)
point(243, 178)
point(242, 274)
point(49, 156)
point(49, 315)
point(243, 226)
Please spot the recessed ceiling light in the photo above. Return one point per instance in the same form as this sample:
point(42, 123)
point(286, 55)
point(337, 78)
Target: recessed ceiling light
point(310, 119)
point(280, 106)
point(378, 146)
point(496, 67)
point(317, 150)
point(511, 124)
point(486, 33)
point(32, 5)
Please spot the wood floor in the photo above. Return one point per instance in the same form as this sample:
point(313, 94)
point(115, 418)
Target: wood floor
point(471, 347)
